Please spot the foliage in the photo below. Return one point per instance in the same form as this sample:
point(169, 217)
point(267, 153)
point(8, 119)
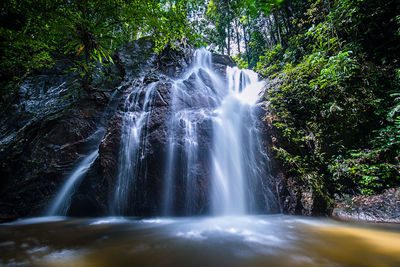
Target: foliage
point(240, 62)
point(373, 169)
point(37, 34)
point(337, 96)
point(336, 101)
point(270, 62)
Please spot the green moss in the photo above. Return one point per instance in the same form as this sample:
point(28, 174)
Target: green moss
point(335, 105)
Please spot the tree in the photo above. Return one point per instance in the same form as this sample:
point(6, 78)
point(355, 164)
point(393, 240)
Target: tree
point(86, 32)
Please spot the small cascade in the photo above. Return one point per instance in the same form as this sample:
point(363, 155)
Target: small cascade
point(62, 200)
point(191, 148)
point(133, 139)
point(60, 204)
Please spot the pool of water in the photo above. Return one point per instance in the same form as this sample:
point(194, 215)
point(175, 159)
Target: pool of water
point(273, 240)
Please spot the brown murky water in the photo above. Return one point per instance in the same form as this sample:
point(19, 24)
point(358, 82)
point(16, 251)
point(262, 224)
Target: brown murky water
point(275, 240)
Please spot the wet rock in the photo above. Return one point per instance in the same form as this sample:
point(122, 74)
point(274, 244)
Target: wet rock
point(42, 153)
point(134, 57)
point(383, 208)
point(296, 198)
point(223, 60)
point(172, 62)
point(48, 130)
point(162, 97)
point(109, 150)
point(91, 195)
point(220, 62)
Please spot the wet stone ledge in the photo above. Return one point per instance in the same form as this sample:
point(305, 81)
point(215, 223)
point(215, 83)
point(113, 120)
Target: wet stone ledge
point(383, 208)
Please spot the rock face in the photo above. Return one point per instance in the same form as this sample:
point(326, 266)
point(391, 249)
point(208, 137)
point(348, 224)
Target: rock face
point(50, 127)
point(47, 130)
point(42, 136)
point(380, 208)
point(296, 198)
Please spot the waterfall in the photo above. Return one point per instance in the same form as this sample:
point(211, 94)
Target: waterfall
point(133, 139)
point(237, 157)
point(60, 204)
point(194, 96)
point(209, 157)
point(237, 164)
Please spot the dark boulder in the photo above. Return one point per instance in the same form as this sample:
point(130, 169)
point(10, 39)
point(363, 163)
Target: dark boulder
point(108, 152)
point(48, 129)
point(42, 153)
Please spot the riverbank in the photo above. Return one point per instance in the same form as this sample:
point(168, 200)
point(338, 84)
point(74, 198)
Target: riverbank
point(383, 208)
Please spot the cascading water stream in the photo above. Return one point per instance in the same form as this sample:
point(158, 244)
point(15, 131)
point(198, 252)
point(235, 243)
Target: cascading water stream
point(61, 202)
point(133, 139)
point(237, 157)
point(194, 96)
point(213, 159)
point(237, 165)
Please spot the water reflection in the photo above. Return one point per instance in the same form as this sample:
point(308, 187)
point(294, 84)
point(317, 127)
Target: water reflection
point(274, 240)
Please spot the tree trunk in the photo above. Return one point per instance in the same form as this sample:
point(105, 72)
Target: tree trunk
point(237, 36)
point(229, 40)
point(246, 45)
point(278, 26)
point(229, 28)
point(271, 31)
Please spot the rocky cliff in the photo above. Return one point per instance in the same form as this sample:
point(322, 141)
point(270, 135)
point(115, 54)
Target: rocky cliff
point(49, 127)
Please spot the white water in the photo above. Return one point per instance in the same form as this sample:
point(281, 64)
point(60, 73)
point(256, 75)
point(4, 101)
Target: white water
point(193, 99)
point(61, 203)
point(237, 163)
point(135, 121)
point(234, 149)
